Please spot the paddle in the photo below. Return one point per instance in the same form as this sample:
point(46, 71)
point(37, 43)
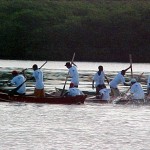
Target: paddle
point(130, 57)
point(67, 76)
point(12, 92)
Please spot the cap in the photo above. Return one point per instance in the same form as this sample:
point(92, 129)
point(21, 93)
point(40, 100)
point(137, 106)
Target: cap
point(133, 80)
point(71, 85)
point(14, 72)
point(67, 64)
point(35, 66)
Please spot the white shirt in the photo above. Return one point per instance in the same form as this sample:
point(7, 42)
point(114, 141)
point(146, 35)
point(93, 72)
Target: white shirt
point(74, 91)
point(17, 80)
point(38, 75)
point(74, 75)
point(106, 94)
point(99, 79)
point(148, 81)
point(137, 91)
point(119, 78)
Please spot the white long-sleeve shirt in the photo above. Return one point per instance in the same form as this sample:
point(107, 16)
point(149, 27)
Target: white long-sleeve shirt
point(119, 78)
point(137, 91)
point(18, 80)
point(148, 82)
point(38, 75)
point(105, 94)
point(74, 91)
point(74, 75)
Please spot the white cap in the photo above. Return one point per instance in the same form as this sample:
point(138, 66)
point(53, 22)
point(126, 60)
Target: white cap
point(133, 80)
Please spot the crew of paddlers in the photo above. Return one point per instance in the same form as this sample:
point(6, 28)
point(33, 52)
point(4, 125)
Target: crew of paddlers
point(98, 82)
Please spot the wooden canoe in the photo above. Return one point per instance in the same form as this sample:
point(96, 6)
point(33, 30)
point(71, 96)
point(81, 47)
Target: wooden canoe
point(122, 101)
point(118, 101)
point(4, 97)
point(93, 99)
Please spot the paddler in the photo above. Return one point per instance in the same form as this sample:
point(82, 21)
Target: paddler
point(119, 78)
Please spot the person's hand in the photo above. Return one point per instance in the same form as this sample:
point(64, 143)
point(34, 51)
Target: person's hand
point(5, 82)
point(24, 70)
point(9, 84)
point(92, 86)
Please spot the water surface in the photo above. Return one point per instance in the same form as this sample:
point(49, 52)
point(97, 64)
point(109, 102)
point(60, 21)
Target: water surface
point(73, 127)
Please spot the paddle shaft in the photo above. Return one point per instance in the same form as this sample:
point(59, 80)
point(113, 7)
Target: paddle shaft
point(43, 64)
point(67, 75)
point(130, 57)
point(17, 88)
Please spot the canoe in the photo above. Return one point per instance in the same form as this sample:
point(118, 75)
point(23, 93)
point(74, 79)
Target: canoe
point(4, 97)
point(122, 101)
point(93, 99)
point(119, 101)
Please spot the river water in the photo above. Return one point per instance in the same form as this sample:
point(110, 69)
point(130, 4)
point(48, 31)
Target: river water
point(90, 126)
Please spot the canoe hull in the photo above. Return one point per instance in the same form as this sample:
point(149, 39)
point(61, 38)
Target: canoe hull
point(49, 100)
point(93, 99)
point(129, 102)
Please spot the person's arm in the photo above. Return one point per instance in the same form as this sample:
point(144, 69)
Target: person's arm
point(81, 92)
point(148, 81)
point(100, 95)
point(33, 77)
point(124, 82)
point(107, 79)
point(128, 68)
point(93, 84)
point(66, 93)
point(10, 83)
point(127, 84)
point(93, 80)
point(23, 72)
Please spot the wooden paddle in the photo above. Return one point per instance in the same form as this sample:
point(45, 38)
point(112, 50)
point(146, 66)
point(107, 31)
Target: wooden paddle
point(67, 76)
point(130, 57)
point(12, 92)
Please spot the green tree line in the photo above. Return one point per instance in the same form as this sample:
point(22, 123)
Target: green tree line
point(97, 30)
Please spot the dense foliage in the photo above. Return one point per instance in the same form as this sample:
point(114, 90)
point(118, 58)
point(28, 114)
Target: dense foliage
point(97, 30)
